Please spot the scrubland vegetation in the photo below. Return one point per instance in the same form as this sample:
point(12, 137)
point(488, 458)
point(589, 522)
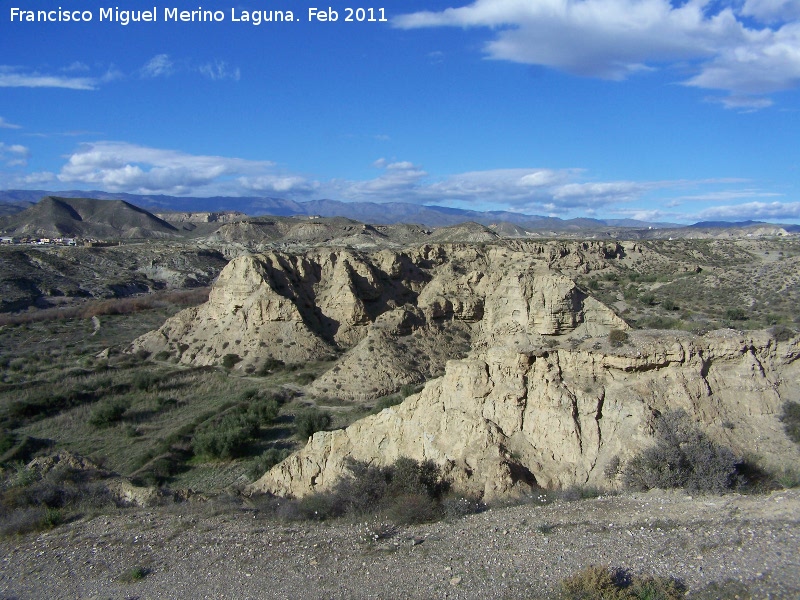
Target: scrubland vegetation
point(700, 285)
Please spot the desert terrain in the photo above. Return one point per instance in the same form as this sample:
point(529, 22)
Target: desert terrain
point(224, 406)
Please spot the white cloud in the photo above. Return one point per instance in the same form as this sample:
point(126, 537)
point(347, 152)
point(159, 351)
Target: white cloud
point(14, 155)
point(219, 70)
point(76, 67)
point(581, 194)
point(741, 103)
point(766, 61)
point(120, 166)
point(278, 184)
point(38, 179)
point(770, 11)
point(753, 210)
point(159, 66)
point(125, 167)
point(6, 125)
point(727, 195)
point(613, 39)
point(13, 77)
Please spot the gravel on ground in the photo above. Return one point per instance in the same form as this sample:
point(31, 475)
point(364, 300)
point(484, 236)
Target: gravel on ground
point(732, 546)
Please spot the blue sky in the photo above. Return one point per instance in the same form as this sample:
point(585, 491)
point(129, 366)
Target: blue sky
point(672, 111)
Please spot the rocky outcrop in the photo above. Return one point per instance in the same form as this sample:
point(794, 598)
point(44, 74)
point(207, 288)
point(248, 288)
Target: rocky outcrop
point(398, 315)
point(513, 417)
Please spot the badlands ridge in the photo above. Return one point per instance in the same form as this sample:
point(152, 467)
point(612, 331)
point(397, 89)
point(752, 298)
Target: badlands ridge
point(523, 384)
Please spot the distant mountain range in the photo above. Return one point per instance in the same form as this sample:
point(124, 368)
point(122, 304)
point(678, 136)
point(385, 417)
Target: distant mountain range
point(129, 214)
point(388, 213)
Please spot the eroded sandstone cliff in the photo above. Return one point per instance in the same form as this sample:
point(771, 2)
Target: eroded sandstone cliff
point(512, 418)
point(397, 316)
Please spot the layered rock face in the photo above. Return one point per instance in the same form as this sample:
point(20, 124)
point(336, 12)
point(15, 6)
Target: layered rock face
point(398, 315)
point(512, 418)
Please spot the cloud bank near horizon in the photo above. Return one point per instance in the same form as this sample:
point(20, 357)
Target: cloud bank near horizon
point(132, 168)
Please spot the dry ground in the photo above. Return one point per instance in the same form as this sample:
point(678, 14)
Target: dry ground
point(720, 547)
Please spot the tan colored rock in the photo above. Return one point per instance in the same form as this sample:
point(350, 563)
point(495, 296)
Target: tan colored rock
point(510, 419)
point(391, 311)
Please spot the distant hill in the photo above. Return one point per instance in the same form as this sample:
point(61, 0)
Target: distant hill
point(388, 213)
point(222, 209)
point(85, 217)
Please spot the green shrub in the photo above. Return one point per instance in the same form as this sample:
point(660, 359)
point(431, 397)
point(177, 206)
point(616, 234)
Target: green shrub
point(735, 314)
point(405, 492)
point(230, 360)
point(657, 322)
point(648, 299)
point(791, 420)
point(604, 583)
point(683, 457)
point(270, 365)
point(617, 337)
point(309, 421)
point(231, 434)
point(107, 413)
point(304, 378)
point(134, 574)
point(386, 402)
point(7, 441)
point(631, 292)
point(669, 304)
point(226, 438)
point(266, 461)
point(144, 381)
point(782, 333)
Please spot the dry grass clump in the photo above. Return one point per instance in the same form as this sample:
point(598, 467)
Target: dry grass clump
point(114, 306)
point(605, 583)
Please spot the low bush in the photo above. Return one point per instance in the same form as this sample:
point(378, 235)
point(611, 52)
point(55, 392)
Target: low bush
point(107, 413)
point(231, 434)
point(735, 314)
point(791, 420)
point(386, 402)
point(304, 378)
point(669, 304)
point(604, 583)
point(658, 322)
point(7, 441)
point(266, 461)
point(231, 360)
point(648, 299)
point(32, 502)
point(682, 457)
point(782, 333)
point(405, 492)
point(134, 574)
point(270, 365)
point(617, 337)
point(309, 421)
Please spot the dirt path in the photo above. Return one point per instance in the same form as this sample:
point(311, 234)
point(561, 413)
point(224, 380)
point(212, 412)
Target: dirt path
point(720, 547)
